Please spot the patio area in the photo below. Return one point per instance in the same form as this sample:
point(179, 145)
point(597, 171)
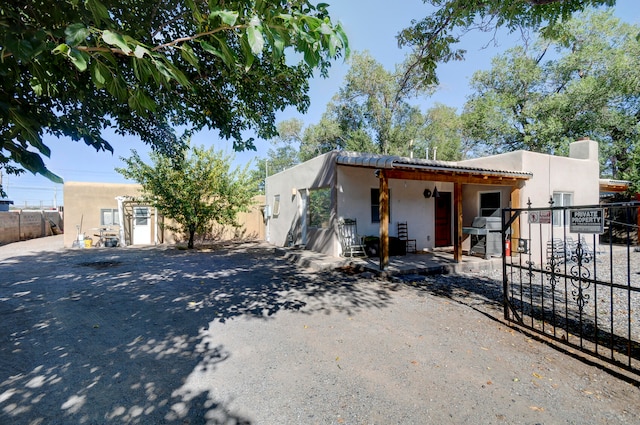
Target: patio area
point(439, 261)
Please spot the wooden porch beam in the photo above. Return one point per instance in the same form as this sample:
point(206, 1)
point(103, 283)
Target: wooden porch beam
point(452, 177)
point(515, 203)
point(384, 220)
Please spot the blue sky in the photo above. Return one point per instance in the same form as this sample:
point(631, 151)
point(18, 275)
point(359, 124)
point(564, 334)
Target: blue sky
point(370, 24)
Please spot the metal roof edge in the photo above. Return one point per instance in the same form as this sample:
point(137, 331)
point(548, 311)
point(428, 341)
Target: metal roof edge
point(614, 181)
point(390, 162)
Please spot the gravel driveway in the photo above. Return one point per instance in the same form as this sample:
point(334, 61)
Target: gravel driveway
point(239, 336)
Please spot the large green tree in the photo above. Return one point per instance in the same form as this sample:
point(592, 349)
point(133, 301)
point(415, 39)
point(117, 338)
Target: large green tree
point(434, 39)
point(442, 134)
point(341, 127)
point(372, 113)
point(504, 111)
point(599, 72)
point(324, 136)
point(195, 189)
point(283, 153)
point(373, 100)
point(590, 87)
point(75, 67)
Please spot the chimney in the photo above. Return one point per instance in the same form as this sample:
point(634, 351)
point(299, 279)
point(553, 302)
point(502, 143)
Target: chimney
point(584, 148)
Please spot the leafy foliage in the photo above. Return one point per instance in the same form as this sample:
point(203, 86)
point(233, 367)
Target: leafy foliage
point(285, 152)
point(503, 111)
point(73, 68)
point(371, 113)
point(590, 88)
point(195, 189)
point(328, 135)
point(443, 133)
point(433, 39)
point(375, 100)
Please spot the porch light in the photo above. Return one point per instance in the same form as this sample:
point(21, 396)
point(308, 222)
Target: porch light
point(436, 194)
point(426, 193)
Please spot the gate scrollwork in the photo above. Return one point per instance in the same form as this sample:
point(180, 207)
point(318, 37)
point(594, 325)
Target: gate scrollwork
point(579, 278)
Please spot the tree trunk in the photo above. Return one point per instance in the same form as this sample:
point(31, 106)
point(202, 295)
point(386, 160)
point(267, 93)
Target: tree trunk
point(191, 237)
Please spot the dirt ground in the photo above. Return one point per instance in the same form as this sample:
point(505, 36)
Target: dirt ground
point(240, 336)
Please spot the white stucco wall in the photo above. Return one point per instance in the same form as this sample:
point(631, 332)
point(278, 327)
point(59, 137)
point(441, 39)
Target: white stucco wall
point(559, 174)
point(291, 185)
point(578, 174)
point(352, 192)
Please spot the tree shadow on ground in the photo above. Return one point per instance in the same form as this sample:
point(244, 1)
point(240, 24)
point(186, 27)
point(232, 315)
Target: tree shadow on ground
point(481, 293)
point(485, 295)
point(110, 335)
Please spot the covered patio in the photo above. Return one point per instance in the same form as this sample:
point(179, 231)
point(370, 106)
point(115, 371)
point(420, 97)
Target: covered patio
point(408, 169)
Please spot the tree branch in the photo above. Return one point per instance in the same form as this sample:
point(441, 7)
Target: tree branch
point(543, 2)
point(120, 52)
point(196, 36)
point(91, 49)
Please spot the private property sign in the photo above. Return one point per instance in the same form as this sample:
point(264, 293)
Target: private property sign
point(586, 220)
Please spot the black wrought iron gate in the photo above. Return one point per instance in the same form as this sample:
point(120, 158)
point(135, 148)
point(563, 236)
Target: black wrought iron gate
point(573, 274)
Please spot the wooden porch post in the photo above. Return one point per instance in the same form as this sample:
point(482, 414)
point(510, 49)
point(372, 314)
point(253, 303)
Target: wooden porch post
point(515, 227)
point(384, 220)
point(457, 227)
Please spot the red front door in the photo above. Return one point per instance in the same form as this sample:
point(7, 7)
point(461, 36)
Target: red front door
point(443, 219)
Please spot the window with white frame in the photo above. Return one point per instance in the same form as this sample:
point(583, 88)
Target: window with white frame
point(490, 204)
point(109, 217)
point(561, 199)
point(276, 205)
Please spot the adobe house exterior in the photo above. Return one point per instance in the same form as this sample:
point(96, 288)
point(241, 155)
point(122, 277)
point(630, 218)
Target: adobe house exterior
point(353, 186)
point(90, 207)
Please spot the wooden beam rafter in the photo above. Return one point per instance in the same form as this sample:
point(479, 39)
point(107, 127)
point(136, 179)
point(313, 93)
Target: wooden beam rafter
point(447, 176)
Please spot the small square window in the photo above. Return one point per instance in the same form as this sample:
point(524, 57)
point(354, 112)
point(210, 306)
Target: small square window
point(109, 217)
point(561, 199)
point(490, 204)
point(141, 216)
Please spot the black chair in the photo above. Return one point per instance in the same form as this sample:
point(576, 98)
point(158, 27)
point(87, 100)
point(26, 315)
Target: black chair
point(403, 235)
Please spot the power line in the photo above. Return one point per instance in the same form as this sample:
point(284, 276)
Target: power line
point(59, 187)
